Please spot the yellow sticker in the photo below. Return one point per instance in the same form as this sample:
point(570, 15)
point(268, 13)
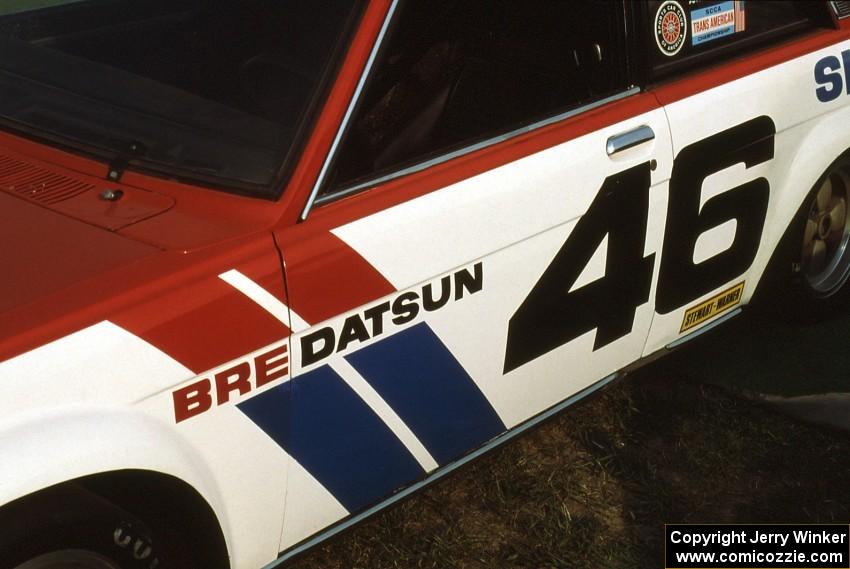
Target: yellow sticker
point(712, 307)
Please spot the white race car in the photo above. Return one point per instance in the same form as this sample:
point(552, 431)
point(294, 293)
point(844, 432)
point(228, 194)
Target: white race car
point(269, 267)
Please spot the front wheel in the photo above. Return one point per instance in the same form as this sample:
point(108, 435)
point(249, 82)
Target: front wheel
point(70, 559)
point(71, 528)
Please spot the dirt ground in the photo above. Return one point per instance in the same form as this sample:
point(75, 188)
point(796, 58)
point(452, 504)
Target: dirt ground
point(678, 441)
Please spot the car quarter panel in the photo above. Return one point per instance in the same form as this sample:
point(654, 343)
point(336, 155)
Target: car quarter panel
point(809, 136)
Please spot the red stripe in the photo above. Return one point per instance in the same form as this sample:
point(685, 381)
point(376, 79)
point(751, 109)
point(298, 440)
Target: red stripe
point(216, 325)
point(208, 322)
point(176, 302)
point(325, 277)
point(703, 79)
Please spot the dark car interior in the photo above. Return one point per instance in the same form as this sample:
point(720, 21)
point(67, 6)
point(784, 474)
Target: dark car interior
point(456, 71)
point(218, 50)
point(248, 70)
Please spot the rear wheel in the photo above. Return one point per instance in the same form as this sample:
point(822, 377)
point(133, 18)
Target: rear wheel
point(806, 279)
point(825, 255)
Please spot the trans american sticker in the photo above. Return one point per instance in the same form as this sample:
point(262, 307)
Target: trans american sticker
point(717, 21)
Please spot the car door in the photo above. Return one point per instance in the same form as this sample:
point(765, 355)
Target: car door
point(750, 139)
point(479, 247)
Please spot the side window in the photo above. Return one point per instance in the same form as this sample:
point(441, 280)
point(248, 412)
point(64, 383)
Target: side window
point(689, 33)
point(452, 73)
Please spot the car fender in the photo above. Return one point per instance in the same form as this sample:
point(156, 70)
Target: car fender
point(820, 142)
point(69, 409)
point(65, 444)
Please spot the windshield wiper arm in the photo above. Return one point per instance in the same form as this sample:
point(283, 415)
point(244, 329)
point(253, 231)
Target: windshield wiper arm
point(118, 165)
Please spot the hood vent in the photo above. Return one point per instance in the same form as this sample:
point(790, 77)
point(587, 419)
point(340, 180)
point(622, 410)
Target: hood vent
point(841, 8)
point(36, 184)
point(77, 195)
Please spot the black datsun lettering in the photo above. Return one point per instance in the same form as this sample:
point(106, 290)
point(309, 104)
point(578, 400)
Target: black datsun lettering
point(400, 310)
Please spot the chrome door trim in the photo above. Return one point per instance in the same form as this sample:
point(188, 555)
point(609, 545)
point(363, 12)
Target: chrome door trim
point(475, 147)
point(630, 139)
point(349, 111)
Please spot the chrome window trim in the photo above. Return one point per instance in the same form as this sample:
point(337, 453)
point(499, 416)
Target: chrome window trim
point(471, 148)
point(349, 111)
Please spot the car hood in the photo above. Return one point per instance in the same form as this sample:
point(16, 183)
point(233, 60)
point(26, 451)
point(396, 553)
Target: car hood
point(44, 251)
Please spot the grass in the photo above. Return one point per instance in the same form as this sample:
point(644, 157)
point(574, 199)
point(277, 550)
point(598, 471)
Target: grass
point(593, 487)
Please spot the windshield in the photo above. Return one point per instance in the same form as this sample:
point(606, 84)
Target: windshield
point(219, 91)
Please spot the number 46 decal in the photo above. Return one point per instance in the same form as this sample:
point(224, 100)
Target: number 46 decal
point(554, 314)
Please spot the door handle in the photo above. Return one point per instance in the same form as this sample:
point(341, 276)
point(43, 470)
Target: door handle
point(626, 140)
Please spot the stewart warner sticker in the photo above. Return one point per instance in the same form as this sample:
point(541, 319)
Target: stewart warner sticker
point(671, 28)
point(717, 21)
point(712, 307)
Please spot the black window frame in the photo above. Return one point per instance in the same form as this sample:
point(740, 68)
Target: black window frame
point(675, 69)
point(322, 192)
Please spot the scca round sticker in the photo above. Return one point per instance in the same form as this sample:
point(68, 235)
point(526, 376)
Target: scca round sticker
point(671, 27)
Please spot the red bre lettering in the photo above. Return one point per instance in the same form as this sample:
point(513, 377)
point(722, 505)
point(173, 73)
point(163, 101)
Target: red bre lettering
point(236, 378)
point(268, 368)
point(197, 398)
point(192, 400)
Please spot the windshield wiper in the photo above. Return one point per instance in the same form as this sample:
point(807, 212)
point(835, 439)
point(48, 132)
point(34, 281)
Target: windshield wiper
point(118, 165)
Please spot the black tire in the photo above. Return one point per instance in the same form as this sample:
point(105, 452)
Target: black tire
point(70, 528)
point(807, 278)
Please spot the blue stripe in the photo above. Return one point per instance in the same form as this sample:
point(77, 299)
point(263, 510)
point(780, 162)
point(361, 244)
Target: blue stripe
point(425, 385)
point(270, 411)
point(336, 437)
point(438, 474)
